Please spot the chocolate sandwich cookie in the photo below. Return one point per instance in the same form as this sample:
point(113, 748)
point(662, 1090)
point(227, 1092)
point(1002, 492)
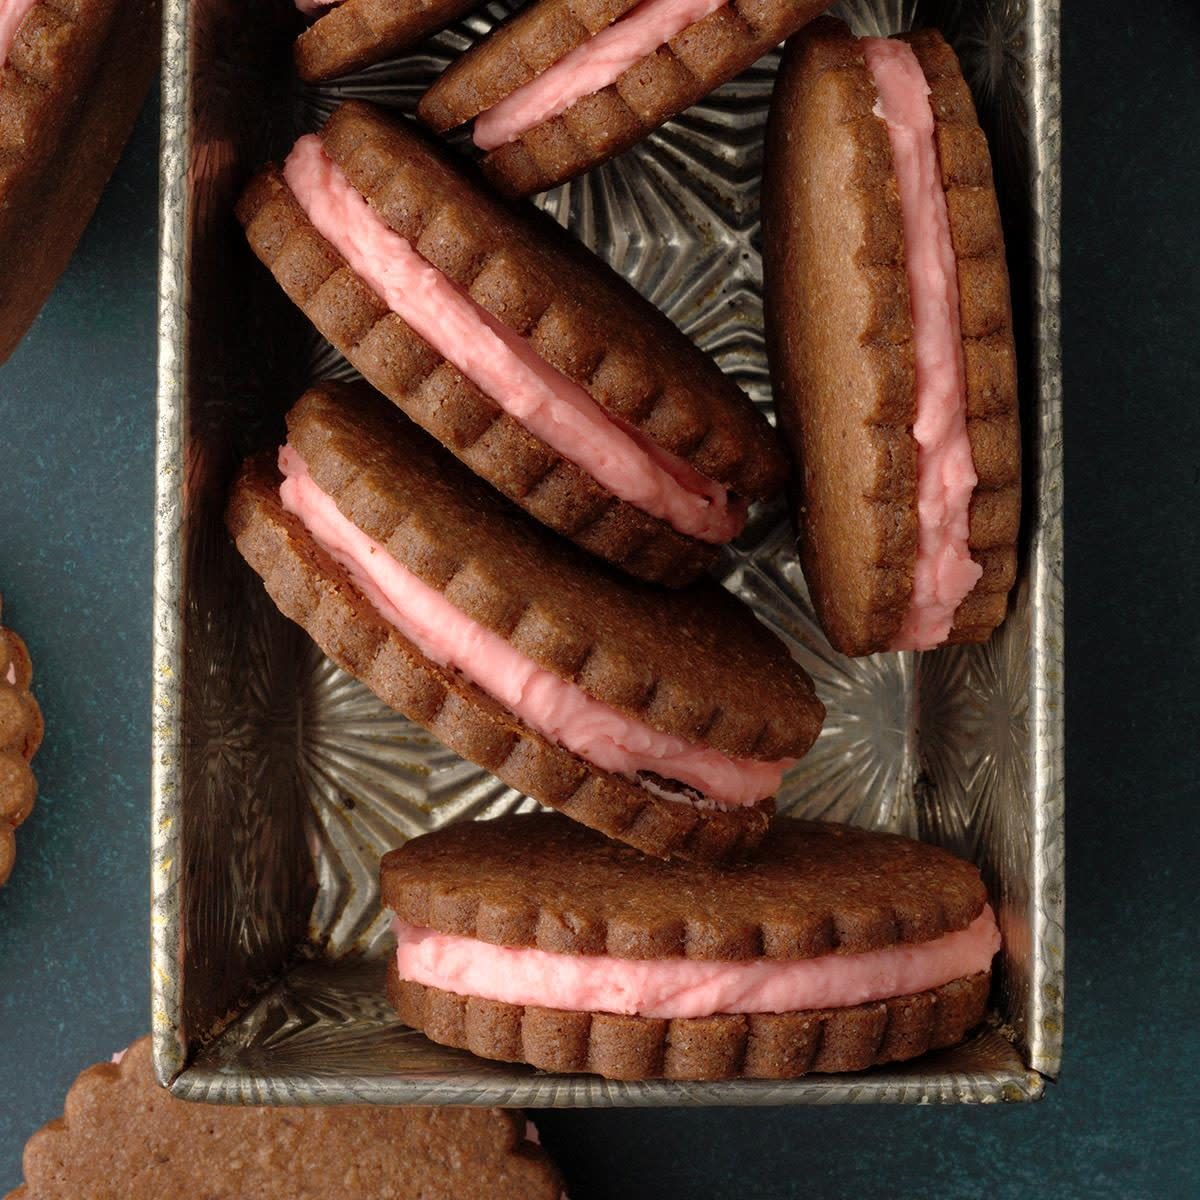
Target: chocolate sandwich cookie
point(20, 736)
point(125, 1138)
point(664, 719)
point(348, 35)
point(72, 79)
point(567, 84)
point(891, 342)
point(531, 360)
point(530, 939)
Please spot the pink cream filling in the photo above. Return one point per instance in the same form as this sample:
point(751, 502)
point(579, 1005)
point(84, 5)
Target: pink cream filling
point(12, 13)
point(310, 7)
point(590, 67)
point(504, 365)
point(683, 987)
point(944, 572)
point(559, 710)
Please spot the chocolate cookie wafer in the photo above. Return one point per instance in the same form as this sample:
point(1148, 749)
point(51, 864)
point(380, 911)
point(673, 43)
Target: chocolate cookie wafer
point(20, 736)
point(348, 35)
point(532, 940)
point(663, 719)
point(891, 342)
point(567, 84)
point(72, 79)
point(124, 1137)
point(530, 359)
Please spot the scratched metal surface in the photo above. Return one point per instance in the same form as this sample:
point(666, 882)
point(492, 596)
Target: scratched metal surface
point(278, 781)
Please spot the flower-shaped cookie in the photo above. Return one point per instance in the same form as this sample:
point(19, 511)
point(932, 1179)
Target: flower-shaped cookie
point(20, 736)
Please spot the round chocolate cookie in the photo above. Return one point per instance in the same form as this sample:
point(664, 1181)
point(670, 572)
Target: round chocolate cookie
point(859, 359)
point(832, 949)
point(71, 83)
point(675, 65)
point(596, 365)
point(126, 1138)
point(555, 663)
point(20, 736)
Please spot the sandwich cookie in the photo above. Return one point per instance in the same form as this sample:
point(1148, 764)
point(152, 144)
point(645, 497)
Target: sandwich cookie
point(890, 338)
point(124, 1137)
point(530, 939)
point(567, 84)
point(72, 79)
point(538, 366)
point(20, 736)
point(348, 35)
point(664, 719)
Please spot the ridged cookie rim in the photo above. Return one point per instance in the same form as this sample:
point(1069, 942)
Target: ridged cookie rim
point(746, 1046)
point(985, 309)
point(459, 880)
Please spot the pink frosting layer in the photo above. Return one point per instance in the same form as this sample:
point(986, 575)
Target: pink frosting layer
point(944, 572)
point(310, 7)
point(683, 987)
point(559, 710)
point(591, 66)
point(12, 13)
point(501, 363)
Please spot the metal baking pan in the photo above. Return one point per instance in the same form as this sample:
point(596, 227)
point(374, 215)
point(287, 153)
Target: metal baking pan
point(278, 781)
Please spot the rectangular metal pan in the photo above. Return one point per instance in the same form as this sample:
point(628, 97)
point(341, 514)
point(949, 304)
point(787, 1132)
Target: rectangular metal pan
point(278, 781)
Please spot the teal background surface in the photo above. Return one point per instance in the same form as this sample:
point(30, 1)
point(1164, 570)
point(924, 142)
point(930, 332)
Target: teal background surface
point(76, 479)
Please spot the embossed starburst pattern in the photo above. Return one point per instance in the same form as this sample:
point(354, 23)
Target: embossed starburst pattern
point(374, 779)
point(292, 779)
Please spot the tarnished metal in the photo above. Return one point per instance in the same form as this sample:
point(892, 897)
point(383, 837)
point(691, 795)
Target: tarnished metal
point(279, 781)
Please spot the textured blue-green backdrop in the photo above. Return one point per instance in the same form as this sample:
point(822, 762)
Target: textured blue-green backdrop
point(76, 447)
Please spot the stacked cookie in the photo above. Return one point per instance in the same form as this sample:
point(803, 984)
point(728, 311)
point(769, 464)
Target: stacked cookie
point(879, 207)
point(637, 710)
point(523, 354)
point(831, 949)
point(563, 85)
point(506, 536)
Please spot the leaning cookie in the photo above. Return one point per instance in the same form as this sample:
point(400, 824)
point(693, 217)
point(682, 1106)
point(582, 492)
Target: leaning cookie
point(664, 719)
point(72, 79)
point(532, 940)
point(348, 35)
point(126, 1138)
point(891, 342)
point(20, 736)
point(567, 84)
point(538, 366)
